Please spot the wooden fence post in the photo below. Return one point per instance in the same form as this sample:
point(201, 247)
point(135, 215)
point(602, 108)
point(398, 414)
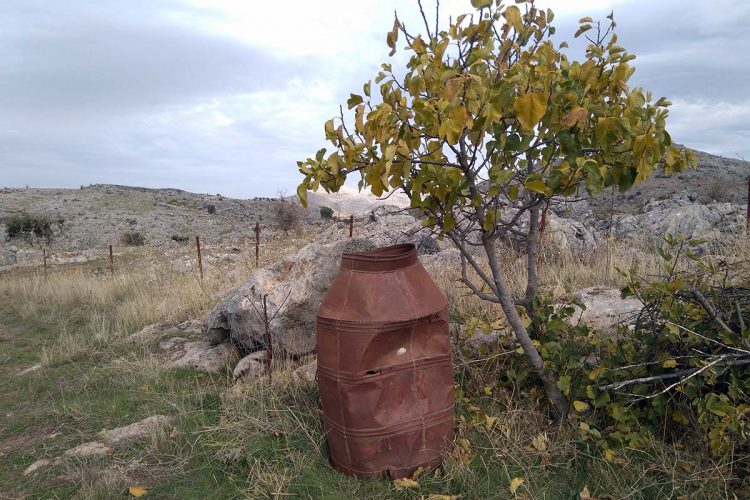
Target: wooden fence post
point(111, 262)
point(351, 225)
point(200, 260)
point(257, 243)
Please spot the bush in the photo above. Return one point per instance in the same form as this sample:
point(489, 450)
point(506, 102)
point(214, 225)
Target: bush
point(287, 214)
point(133, 239)
point(179, 238)
point(27, 226)
point(326, 213)
point(211, 209)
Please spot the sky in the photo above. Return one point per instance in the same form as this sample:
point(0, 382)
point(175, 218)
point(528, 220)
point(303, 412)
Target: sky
point(224, 96)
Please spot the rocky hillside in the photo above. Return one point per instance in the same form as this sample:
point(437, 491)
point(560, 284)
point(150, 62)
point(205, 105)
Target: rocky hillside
point(717, 179)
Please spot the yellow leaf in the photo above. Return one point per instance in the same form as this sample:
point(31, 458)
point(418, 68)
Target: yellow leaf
point(463, 443)
point(585, 494)
point(669, 363)
point(515, 483)
point(540, 442)
point(144, 387)
point(580, 406)
point(417, 473)
point(574, 116)
point(537, 186)
point(173, 434)
point(530, 108)
point(513, 15)
point(402, 484)
point(435, 496)
point(137, 491)
point(489, 422)
point(223, 422)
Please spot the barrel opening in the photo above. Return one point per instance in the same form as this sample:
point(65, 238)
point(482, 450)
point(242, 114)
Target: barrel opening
point(372, 372)
point(388, 474)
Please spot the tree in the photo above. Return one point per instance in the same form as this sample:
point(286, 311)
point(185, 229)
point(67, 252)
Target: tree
point(488, 124)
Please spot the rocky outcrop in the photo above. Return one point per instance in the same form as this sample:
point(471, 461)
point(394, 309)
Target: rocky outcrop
point(680, 214)
point(135, 431)
point(199, 354)
point(251, 366)
point(293, 287)
point(605, 308)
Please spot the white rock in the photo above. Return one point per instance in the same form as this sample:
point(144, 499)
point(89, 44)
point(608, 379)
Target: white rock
point(36, 466)
point(251, 366)
point(30, 369)
point(134, 431)
point(306, 372)
point(86, 450)
point(605, 308)
point(298, 282)
point(201, 355)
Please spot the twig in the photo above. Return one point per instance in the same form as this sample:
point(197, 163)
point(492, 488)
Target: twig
point(706, 338)
point(706, 305)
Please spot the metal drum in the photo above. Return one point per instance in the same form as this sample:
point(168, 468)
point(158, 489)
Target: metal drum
point(384, 365)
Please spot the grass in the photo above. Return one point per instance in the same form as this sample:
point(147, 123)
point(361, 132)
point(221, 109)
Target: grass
point(255, 440)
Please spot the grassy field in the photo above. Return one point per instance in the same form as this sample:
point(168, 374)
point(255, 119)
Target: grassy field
point(255, 440)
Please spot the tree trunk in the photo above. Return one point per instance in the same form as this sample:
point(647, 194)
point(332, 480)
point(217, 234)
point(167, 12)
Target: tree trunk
point(558, 401)
point(532, 259)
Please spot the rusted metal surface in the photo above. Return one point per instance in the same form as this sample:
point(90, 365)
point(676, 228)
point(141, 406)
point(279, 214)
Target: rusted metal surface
point(384, 365)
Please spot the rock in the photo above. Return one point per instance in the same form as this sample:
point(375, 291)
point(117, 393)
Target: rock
point(679, 214)
point(296, 284)
point(134, 431)
point(36, 466)
point(568, 235)
point(30, 369)
point(439, 262)
point(306, 373)
point(251, 366)
point(151, 332)
point(605, 308)
point(88, 450)
point(199, 354)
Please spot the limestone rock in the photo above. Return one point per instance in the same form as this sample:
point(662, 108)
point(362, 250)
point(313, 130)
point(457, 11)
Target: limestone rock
point(134, 431)
point(199, 354)
point(36, 466)
point(306, 372)
point(30, 369)
point(605, 308)
point(251, 366)
point(295, 285)
point(88, 450)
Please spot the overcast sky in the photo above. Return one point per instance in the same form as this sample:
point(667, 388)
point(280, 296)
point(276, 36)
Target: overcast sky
point(223, 96)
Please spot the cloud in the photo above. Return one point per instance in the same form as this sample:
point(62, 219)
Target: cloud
point(225, 95)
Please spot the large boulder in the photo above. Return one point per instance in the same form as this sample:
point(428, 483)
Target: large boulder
point(605, 308)
point(293, 287)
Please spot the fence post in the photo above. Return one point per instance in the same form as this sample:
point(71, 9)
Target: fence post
point(44, 252)
point(200, 260)
point(111, 262)
point(351, 225)
point(257, 243)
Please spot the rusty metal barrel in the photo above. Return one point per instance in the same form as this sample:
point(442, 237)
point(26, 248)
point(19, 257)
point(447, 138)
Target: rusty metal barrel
point(384, 365)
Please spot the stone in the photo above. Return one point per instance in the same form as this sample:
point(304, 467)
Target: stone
point(306, 372)
point(199, 354)
point(30, 369)
point(89, 450)
point(134, 431)
point(605, 308)
point(251, 366)
point(36, 466)
point(294, 288)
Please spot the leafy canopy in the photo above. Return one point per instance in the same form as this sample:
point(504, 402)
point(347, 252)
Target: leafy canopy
point(492, 102)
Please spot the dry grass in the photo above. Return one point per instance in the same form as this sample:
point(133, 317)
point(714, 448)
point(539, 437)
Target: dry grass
point(260, 440)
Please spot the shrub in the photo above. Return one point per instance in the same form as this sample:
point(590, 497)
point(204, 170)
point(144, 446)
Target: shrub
point(133, 239)
point(326, 213)
point(179, 238)
point(287, 214)
point(26, 225)
point(211, 209)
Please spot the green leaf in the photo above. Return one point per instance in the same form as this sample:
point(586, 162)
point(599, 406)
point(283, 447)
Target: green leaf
point(302, 193)
point(537, 186)
point(530, 108)
point(480, 4)
point(353, 100)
